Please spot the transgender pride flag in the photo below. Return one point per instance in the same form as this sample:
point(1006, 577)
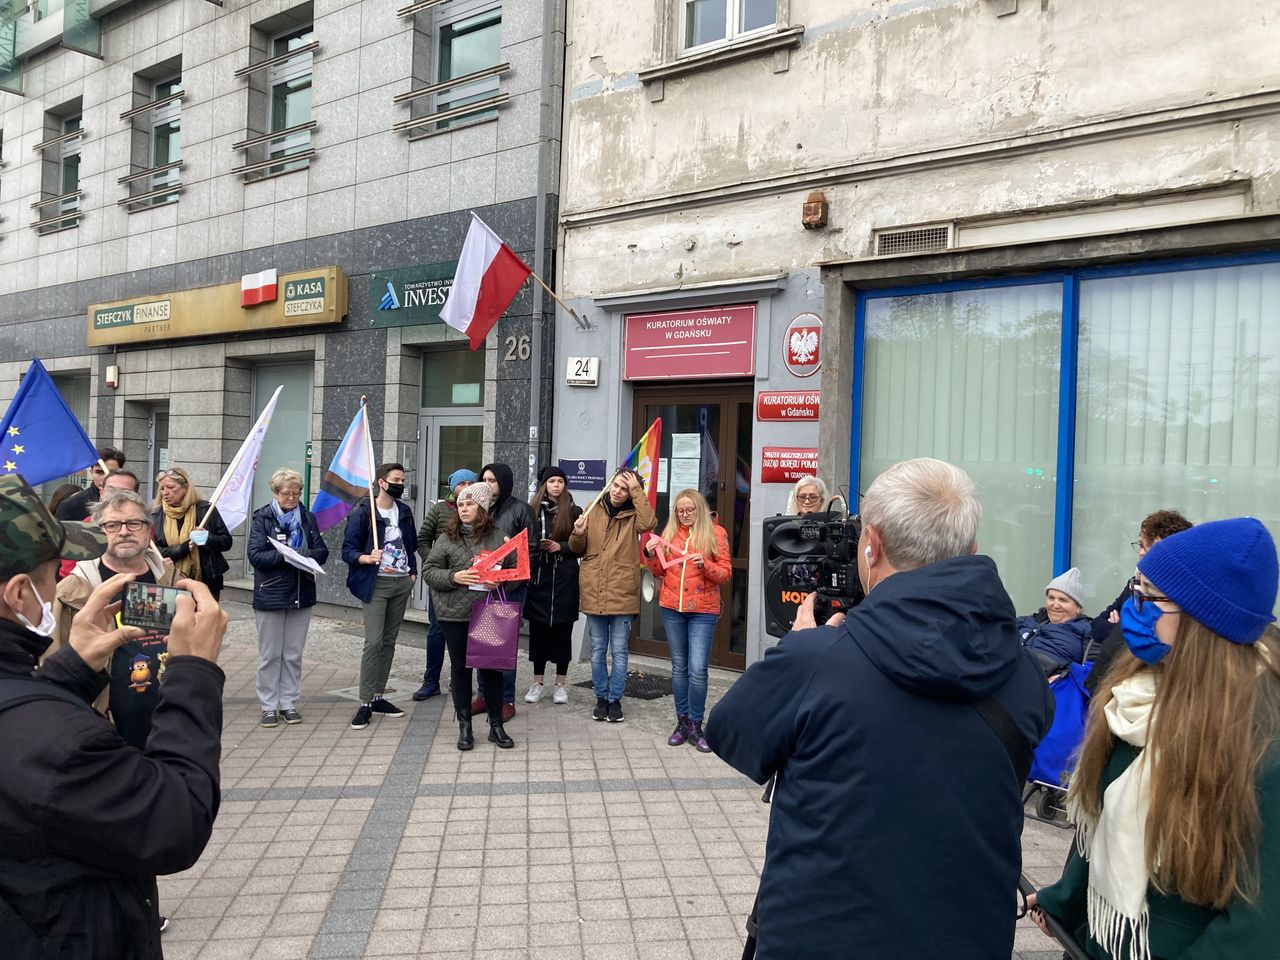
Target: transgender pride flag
point(349, 477)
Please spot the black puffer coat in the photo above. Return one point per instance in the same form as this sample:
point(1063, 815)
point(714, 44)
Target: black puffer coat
point(277, 584)
point(212, 564)
point(553, 589)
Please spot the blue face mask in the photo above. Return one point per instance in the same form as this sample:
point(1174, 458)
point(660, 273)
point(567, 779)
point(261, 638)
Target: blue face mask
point(1139, 629)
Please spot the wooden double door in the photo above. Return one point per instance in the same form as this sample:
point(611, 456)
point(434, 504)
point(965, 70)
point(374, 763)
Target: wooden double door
point(706, 446)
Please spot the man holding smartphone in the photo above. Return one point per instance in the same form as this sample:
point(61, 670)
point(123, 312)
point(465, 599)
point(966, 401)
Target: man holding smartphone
point(137, 665)
point(87, 821)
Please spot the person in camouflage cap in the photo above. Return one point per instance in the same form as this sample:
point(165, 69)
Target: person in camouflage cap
point(87, 821)
point(30, 536)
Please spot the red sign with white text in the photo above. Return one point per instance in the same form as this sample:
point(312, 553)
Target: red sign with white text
point(787, 464)
point(787, 405)
point(714, 342)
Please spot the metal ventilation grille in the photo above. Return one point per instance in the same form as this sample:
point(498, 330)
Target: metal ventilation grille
point(913, 240)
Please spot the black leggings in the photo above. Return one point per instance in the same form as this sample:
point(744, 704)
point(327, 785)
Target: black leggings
point(455, 640)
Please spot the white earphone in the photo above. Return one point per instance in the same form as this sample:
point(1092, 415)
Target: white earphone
point(867, 553)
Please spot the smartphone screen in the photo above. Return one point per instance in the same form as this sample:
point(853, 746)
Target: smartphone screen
point(150, 606)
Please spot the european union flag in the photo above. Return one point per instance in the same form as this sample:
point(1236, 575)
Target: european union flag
point(40, 438)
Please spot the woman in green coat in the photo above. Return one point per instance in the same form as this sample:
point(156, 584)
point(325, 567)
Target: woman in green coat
point(1176, 795)
point(454, 591)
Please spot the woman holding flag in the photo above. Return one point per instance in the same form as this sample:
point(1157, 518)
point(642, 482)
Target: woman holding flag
point(692, 561)
point(609, 582)
point(196, 549)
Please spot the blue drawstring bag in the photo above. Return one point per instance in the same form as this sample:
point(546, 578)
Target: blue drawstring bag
point(1054, 758)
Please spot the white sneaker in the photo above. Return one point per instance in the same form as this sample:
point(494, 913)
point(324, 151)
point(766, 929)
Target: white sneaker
point(562, 695)
point(534, 694)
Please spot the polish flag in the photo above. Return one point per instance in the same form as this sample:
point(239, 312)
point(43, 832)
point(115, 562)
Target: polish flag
point(256, 288)
point(488, 278)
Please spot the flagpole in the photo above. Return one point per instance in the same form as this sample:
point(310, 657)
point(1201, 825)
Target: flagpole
point(573, 313)
point(368, 447)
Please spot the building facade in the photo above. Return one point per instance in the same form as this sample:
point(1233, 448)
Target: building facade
point(239, 195)
point(1041, 239)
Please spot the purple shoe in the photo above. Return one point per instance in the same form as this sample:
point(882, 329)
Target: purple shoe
point(698, 737)
point(681, 733)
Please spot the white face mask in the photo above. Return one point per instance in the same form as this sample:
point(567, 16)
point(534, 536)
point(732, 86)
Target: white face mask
point(47, 623)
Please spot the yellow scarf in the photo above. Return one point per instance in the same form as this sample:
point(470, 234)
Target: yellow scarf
point(176, 520)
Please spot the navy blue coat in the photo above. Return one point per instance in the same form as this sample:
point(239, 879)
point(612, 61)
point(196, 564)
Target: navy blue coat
point(278, 585)
point(897, 817)
point(357, 540)
point(1060, 642)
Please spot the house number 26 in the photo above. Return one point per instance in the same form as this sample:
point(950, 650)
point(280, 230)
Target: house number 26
point(517, 348)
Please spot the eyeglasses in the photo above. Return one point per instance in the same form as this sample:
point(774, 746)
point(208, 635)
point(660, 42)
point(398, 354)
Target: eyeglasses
point(808, 497)
point(288, 494)
point(113, 526)
point(1140, 597)
point(683, 511)
point(170, 475)
point(1139, 546)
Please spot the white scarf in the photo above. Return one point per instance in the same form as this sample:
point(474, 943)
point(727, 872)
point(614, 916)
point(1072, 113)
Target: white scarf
point(1115, 844)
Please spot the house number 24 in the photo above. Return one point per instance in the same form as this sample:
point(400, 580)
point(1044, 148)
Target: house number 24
point(517, 348)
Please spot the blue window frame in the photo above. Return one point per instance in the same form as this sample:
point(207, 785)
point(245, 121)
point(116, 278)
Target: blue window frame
point(1070, 283)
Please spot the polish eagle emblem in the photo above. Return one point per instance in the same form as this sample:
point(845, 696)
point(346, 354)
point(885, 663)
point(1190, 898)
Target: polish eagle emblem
point(804, 345)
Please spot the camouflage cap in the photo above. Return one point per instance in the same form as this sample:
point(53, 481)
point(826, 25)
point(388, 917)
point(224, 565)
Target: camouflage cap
point(29, 535)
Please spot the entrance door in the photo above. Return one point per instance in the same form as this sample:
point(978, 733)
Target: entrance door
point(449, 441)
point(706, 445)
point(157, 448)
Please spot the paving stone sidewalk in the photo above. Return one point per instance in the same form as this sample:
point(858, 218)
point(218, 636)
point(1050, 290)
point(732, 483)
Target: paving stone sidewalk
point(588, 840)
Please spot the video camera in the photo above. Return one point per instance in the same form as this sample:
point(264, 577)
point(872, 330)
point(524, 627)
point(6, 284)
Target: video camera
point(815, 553)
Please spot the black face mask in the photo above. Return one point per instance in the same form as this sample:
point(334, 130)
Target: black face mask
point(395, 490)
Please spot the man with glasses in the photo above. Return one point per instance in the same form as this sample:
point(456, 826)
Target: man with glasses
point(123, 517)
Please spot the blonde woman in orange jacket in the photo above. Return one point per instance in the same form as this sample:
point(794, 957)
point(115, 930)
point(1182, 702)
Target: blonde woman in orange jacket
point(698, 562)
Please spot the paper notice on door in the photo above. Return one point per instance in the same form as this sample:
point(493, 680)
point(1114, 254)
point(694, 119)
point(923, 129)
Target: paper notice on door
point(686, 446)
point(662, 476)
point(684, 473)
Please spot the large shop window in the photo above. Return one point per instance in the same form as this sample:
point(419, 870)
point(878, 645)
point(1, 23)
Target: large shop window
point(971, 376)
point(1079, 403)
point(1178, 405)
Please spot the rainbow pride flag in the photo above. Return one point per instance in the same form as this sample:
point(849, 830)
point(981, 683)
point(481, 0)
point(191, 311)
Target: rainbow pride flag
point(643, 459)
point(349, 477)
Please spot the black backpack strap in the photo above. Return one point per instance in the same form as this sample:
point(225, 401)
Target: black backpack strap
point(18, 690)
point(998, 719)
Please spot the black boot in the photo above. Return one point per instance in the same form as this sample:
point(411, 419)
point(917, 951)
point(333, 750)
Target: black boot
point(466, 739)
point(499, 736)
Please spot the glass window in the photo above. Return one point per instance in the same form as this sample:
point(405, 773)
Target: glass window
point(69, 166)
point(1178, 407)
point(467, 46)
point(453, 378)
point(715, 21)
point(290, 103)
point(971, 377)
point(166, 137)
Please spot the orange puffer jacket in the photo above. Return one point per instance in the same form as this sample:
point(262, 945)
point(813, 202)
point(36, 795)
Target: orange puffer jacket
point(687, 588)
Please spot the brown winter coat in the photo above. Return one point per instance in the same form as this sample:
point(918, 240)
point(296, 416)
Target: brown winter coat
point(610, 569)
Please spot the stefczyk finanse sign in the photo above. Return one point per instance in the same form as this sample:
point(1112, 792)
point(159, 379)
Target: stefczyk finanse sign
point(308, 297)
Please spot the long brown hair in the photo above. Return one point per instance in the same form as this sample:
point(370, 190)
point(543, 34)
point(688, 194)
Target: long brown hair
point(1216, 713)
point(563, 526)
point(484, 523)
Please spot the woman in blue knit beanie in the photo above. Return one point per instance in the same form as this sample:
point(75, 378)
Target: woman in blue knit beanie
point(1176, 795)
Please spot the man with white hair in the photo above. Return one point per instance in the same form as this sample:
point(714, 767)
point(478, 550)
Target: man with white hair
point(895, 734)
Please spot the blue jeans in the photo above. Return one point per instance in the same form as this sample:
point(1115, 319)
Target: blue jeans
point(435, 644)
point(689, 636)
point(609, 635)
